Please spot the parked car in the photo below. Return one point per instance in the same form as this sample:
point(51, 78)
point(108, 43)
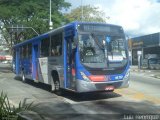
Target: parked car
point(144, 64)
point(152, 63)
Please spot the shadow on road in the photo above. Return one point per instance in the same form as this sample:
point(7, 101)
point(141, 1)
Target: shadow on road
point(34, 84)
point(92, 96)
point(77, 97)
point(102, 110)
point(129, 107)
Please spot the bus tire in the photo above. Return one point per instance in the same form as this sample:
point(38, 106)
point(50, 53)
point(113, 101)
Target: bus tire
point(55, 84)
point(23, 77)
point(52, 86)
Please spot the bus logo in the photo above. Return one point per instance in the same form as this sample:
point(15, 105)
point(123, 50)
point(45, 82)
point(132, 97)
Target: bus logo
point(119, 77)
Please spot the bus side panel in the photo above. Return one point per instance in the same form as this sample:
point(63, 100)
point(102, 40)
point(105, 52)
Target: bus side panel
point(46, 66)
point(56, 64)
point(28, 68)
point(43, 70)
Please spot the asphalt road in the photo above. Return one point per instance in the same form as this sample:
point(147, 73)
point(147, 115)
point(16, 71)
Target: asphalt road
point(145, 84)
point(142, 97)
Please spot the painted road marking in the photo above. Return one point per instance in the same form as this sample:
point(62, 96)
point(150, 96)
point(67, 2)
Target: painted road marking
point(137, 95)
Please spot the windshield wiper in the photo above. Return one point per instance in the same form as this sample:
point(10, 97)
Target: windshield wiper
point(97, 41)
point(101, 46)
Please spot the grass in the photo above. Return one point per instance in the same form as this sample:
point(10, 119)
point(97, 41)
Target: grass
point(8, 111)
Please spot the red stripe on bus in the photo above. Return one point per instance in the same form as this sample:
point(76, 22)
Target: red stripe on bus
point(97, 78)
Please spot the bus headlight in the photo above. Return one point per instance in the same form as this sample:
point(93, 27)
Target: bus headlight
point(84, 77)
point(127, 74)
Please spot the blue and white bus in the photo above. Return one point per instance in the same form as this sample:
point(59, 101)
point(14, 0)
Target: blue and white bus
point(80, 57)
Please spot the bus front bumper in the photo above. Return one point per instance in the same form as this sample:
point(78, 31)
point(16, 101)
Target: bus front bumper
point(85, 86)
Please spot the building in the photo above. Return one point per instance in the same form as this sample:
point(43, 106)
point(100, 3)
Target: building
point(144, 45)
point(4, 50)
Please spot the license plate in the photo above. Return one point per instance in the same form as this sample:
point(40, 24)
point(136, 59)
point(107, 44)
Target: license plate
point(109, 88)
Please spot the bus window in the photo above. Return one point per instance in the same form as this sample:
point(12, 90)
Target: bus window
point(21, 52)
point(29, 51)
point(45, 43)
point(24, 51)
point(56, 45)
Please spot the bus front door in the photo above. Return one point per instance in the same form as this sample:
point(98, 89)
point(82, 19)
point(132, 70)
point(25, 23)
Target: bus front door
point(70, 65)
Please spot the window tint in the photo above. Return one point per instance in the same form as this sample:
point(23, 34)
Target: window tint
point(56, 45)
point(45, 43)
point(29, 50)
point(23, 51)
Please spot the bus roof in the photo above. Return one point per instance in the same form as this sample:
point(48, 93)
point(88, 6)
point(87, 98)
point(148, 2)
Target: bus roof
point(72, 24)
point(99, 23)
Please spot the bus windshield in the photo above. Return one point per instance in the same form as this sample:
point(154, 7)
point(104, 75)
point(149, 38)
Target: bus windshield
point(102, 50)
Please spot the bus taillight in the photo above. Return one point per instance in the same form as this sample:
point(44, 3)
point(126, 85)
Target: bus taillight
point(97, 78)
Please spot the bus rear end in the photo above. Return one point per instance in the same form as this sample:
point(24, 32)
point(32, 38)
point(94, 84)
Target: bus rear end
point(102, 62)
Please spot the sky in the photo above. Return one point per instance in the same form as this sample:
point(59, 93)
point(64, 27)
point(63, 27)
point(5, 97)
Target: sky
point(137, 17)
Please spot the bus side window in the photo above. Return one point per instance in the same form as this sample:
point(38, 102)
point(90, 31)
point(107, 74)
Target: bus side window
point(24, 52)
point(56, 45)
point(45, 43)
point(21, 55)
point(53, 52)
point(29, 51)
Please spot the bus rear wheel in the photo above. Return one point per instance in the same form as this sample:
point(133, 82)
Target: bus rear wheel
point(55, 85)
point(55, 88)
point(23, 77)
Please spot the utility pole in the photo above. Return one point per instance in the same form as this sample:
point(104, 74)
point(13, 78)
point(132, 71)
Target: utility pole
point(50, 21)
point(18, 27)
point(17, 31)
point(81, 10)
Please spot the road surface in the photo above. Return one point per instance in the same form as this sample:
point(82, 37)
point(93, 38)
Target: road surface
point(142, 97)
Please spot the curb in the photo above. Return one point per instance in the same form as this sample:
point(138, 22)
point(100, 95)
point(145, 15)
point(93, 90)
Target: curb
point(154, 76)
point(137, 70)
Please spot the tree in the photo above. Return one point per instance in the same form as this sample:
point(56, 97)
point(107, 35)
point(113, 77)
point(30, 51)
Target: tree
point(90, 14)
point(29, 13)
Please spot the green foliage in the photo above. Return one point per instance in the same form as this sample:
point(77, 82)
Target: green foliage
point(31, 13)
point(8, 112)
point(90, 14)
